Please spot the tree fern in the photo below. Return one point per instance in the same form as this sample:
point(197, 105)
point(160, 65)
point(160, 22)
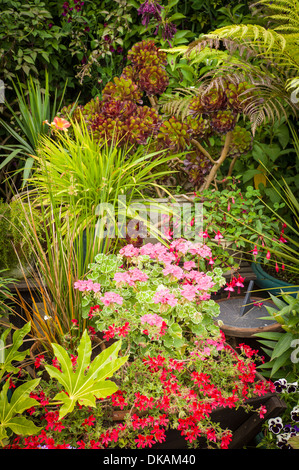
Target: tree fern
point(267, 57)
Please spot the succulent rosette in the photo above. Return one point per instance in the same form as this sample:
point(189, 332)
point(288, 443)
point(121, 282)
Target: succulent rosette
point(122, 89)
point(241, 143)
point(153, 80)
point(199, 126)
point(213, 99)
point(197, 166)
point(238, 95)
point(174, 134)
point(146, 54)
point(140, 126)
point(223, 121)
point(196, 107)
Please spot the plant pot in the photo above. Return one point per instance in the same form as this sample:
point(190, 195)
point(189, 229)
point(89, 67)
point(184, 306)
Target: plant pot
point(273, 285)
point(19, 273)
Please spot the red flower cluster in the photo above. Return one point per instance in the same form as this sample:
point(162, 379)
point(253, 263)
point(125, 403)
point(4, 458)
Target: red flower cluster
point(184, 386)
point(116, 331)
point(118, 399)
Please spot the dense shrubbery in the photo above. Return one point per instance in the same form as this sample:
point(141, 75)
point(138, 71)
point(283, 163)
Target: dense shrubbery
point(84, 41)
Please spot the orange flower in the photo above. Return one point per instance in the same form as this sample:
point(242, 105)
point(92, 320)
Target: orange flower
point(58, 123)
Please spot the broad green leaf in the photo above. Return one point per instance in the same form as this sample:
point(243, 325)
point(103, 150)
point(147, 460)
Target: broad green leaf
point(23, 426)
point(20, 401)
point(282, 345)
point(12, 354)
point(279, 362)
point(87, 381)
point(175, 331)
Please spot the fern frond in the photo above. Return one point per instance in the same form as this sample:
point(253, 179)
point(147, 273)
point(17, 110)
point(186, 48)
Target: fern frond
point(175, 50)
point(179, 106)
point(284, 12)
point(257, 37)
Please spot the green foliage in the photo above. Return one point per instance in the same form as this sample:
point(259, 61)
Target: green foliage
point(88, 380)
point(10, 411)
point(29, 124)
point(272, 148)
point(27, 42)
point(15, 248)
point(230, 212)
point(200, 120)
point(279, 346)
point(11, 355)
point(76, 174)
point(255, 44)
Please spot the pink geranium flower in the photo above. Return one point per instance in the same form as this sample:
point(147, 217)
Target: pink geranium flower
point(174, 271)
point(137, 275)
point(111, 298)
point(189, 265)
point(129, 251)
point(163, 296)
point(189, 291)
point(152, 319)
point(130, 277)
point(87, 286)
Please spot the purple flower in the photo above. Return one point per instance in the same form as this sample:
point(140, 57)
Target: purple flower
point(168, 31)
point(148, 9)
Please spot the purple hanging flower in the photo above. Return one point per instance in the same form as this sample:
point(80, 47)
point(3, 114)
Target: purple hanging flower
point(149, 9)
point(168, 31)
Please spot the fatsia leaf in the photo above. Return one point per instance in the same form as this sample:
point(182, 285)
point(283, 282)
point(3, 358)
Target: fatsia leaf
point(20, 401)
point(87, 381)
point(12, 354)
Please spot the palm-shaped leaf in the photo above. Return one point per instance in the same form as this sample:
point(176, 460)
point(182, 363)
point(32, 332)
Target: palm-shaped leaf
point(11, 355)
point(9, 411)
point(88, 381)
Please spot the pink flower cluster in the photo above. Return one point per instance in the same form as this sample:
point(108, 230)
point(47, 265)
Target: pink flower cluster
point(87, 286)
point(178, 247)
point(152, 319)
point(189, 291)
point(157, 251)
point(130, 277)
point(164, 296)
point(129, 251)
point(111, 298)
point(174, 271)
point(183, 246)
